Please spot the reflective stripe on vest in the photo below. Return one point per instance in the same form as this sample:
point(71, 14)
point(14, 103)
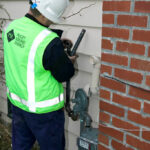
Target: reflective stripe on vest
point(30, 69)
point(42, 104)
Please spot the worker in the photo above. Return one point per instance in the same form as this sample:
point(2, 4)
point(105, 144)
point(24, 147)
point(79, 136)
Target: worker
point(35, 67)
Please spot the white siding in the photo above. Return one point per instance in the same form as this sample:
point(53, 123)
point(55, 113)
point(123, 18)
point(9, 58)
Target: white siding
point(89, 18)
point(84, 13)
point(16, 9)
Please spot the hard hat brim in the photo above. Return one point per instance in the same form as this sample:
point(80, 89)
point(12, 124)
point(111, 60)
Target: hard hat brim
point(51, 18)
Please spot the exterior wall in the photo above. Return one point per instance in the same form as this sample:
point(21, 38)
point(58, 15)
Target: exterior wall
point(125, 81)
point(3, 102)
point(89, 19)
point(85, 14)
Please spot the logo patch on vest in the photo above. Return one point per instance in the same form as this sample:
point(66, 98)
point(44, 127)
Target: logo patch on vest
point(10, 35)
point(20, 40)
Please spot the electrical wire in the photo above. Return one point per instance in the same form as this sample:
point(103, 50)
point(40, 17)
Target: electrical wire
point(125, 82)
point(122, 129)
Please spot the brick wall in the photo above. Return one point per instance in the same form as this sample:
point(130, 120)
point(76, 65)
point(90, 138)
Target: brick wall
point(125, 76)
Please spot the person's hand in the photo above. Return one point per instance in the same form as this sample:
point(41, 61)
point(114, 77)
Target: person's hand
point(73, 58)
point(67, 46)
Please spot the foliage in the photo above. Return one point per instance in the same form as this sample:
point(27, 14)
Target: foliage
point(3, 20)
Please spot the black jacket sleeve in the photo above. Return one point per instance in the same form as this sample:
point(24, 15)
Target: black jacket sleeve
point(56, 60)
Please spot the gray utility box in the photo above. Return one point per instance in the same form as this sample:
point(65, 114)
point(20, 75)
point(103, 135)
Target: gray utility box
point(88, 139)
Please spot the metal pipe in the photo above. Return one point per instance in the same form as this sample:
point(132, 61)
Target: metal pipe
point(72, 53)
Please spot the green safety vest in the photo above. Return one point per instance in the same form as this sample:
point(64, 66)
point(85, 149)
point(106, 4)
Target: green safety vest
point(29, 86)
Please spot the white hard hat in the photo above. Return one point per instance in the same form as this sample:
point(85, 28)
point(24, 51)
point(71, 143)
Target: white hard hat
point(51, 9)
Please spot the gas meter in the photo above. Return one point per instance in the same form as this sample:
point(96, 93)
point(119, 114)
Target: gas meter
point(88, 139)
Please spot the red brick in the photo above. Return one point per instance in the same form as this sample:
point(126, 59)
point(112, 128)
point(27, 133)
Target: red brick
point(129, 20)
point(103, 139)
point(104, 117)
point(115, 33)
point(112, 109)
point(141, 35)
point(139, 64)
point(142, 6)
point(106, 69)
point(111, 132)
point(107, 44)
point(132, 48)
point(115, 59)
point(101, 147)
point(112, 84)
point(146, 134)
point(127, 101)
point(149, 52)
point(148, 80)
point(137, 143)
point(128, 75)
point(119, 146)
point(146, 108)
point(127, 127)
point(140, 93)
point(116, 6)
point(105, 94)
point(108, 19)
point(138, 118)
